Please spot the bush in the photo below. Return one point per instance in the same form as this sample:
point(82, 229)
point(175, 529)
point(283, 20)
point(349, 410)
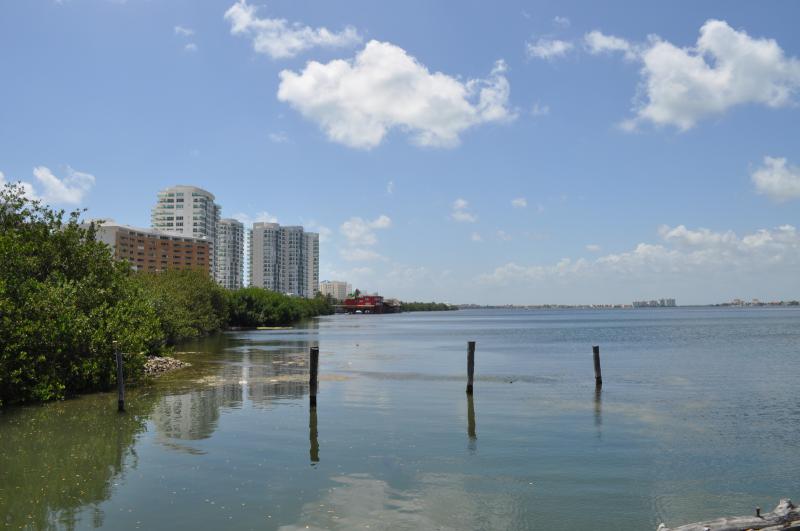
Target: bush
point(189, 304)
point(63, 303)
point(253, 306)
point(426, 307)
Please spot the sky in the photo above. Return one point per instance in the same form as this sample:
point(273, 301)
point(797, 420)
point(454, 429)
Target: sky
point(513, 152)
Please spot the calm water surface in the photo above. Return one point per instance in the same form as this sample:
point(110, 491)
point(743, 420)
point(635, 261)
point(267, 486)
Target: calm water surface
point(699, 416)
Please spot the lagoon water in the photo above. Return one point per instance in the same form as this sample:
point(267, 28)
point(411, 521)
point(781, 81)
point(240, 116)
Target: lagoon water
point(699, 416)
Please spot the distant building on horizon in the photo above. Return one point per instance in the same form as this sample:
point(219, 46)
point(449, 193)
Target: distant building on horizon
point(337, 289)
point(284, 259)
point(229, 254)
point(153, 251)
point(661, 303)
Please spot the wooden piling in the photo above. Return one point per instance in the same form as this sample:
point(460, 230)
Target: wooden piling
point(120, 381)
point(312, 376)
point(598, 376)
point(470, 365)
point(471, 418)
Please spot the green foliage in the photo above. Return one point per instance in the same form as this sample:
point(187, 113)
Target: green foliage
point(259, 307)
point(63, 302)
point(426, 307)
point(188, 304)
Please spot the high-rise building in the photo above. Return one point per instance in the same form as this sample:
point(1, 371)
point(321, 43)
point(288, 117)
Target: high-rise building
point(187, 211)
point(337, 289)
point(154, 251)
point(284, 259)
point(229, 254)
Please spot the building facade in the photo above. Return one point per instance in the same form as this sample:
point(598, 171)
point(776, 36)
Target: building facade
point(154, 251)
point(229, 254)
point(186, 210)
point(284, 259)
point(337, 289)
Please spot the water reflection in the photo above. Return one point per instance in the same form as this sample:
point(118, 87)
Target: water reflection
point(50, 470)
point(313, 452)
point(598, 410)
point(473, 438)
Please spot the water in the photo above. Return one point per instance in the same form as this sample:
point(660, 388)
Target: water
point(699, 417)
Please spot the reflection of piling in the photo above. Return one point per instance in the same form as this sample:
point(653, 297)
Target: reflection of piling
point(120, 381)
point(598, 376)
point(312, 377)
point(313, 451)
point(471, 418)
point(470, 365)
point(598, 406)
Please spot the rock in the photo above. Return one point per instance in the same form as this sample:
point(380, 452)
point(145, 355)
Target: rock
point(156, 365)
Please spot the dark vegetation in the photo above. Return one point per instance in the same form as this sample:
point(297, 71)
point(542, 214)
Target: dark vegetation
point(66, 304)
point(426, 307)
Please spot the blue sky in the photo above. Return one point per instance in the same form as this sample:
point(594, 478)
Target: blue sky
point(520, 152)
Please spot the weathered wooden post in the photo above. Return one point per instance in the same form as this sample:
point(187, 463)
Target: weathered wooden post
point(470, 365)
point(312, 376)
point(598, 376)
point(120, 381)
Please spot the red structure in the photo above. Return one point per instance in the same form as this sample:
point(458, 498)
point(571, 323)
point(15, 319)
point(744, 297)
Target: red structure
point(369, 304)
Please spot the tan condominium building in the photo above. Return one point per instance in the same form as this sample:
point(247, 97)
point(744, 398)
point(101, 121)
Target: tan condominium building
point(154, 251)
point(284, 259)
point(335, 288)
point(229, 254)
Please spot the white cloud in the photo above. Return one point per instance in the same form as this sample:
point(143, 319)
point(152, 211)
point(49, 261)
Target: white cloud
point(681, 252)
point(390, 188)
point(540, 110)
point(183, 31)
point(358, 254)
point(548, 48)
point(279, 138)
point(357, 102)
point(190, 47)
point(476, 237)
point(519, 202)
point(70, 190)
point(777, 179)
point(562, 22)
point(725, 68)
point(597, 42)
point(280, 39)
point(593, 248)
point(361, 232)
point(260, 217)
point(503, 235)
point(461, 212)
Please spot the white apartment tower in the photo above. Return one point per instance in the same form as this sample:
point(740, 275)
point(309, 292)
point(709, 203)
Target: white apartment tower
point(337, 289)
point(229, 254)
point(187, 211)
point(284, 259)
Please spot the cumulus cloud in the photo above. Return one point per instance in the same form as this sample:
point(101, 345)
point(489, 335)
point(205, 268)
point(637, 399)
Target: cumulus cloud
point(593, 248)
point(725, 68)
point(597, 42)
point(519, 202)
point(278, 138)
point(69, 190)
point(190, 47)
point(540, 110)
point(357, 102)
point(777, 179)
point(461, 212)
point(361, 232)
point(548, 48)
point(682, 251)
point(476, 237)
point(280, 39)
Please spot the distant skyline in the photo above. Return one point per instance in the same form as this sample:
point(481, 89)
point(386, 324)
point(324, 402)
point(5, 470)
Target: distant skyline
point(505, 153)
